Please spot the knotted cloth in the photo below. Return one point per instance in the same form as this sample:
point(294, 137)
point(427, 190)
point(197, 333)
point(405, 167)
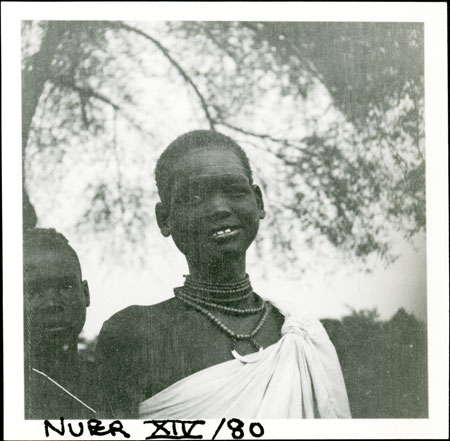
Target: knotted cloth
point(294, 377)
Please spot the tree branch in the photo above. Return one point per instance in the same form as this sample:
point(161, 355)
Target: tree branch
point(256, 135)
point(118, 169)
point(87, 92)
point(35, 75)
point(83, 110)
point(285, 142)
point(177, 66)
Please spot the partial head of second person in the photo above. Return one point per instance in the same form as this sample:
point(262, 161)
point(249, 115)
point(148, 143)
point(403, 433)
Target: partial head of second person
point(56, 296)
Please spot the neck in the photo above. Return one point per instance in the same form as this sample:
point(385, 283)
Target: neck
point(220, 271)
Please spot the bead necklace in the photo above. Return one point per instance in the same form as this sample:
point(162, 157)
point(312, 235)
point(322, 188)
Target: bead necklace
point(197, 296)
point(223, 293)
point(234, 336)
point(183, 292)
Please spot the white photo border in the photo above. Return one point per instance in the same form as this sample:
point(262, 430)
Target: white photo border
point(434, 17)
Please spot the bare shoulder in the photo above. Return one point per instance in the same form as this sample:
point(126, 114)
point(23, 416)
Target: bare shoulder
point(135, 318)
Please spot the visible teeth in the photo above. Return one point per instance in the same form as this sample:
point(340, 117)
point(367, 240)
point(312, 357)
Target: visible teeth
point(222, 232)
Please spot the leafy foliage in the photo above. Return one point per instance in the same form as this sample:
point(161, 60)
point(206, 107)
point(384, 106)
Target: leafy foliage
point(331, 115)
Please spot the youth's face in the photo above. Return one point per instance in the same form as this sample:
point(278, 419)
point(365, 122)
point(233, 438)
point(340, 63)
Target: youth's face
point(214, 210)
point(55, 296)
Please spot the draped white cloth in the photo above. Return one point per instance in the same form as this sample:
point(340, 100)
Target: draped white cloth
point(292, 376)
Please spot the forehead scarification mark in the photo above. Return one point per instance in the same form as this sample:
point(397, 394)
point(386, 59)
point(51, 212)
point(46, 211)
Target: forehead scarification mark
point(207, 141)
point(209, 180)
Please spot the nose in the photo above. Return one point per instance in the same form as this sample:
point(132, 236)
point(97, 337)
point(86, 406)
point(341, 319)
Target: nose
point(53, 309)
point(52, 301)
point(219, 207)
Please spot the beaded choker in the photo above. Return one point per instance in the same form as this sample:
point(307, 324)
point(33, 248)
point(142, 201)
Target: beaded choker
point(219, 293)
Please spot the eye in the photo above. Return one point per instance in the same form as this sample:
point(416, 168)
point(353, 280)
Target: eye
point(236, 191)
point(33, 290)
point(189, 198)
point(66, 284)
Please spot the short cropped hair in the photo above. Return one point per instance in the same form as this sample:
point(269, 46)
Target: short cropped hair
point(197, 139)
point(48, 238)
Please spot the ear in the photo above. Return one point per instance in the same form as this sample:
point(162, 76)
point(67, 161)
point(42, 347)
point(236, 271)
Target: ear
point(259, 200)
point(87, 297)
point(162, 218)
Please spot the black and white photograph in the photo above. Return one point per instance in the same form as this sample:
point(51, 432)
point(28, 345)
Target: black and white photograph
point(225, 220)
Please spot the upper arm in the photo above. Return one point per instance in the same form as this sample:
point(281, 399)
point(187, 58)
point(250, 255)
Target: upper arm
point(114, 362)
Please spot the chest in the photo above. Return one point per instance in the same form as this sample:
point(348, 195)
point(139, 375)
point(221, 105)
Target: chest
point(191, 342)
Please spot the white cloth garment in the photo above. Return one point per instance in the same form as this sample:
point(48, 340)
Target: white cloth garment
point(292, 374)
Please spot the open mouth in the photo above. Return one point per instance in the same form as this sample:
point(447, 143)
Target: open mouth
point(225, 233)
